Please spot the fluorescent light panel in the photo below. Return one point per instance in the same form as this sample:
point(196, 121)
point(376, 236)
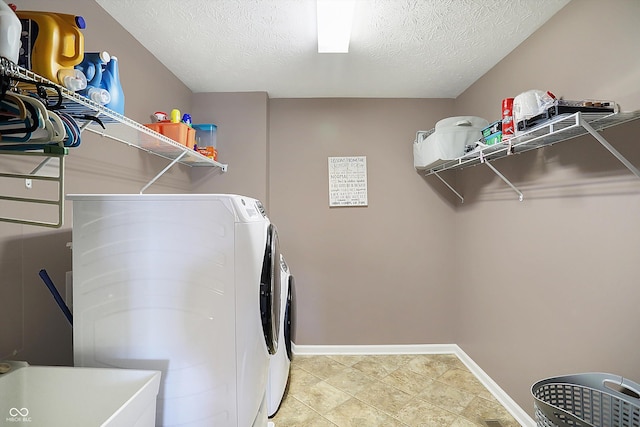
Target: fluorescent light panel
point(334, 19)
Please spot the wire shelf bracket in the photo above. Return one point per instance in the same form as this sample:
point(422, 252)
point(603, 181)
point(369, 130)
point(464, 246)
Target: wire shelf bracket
point(450, 187)
point(609, 147)
point(502, 177)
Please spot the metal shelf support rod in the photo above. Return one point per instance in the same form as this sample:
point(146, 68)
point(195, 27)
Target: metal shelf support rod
point(29, 176)
point(609, 147)
point(40, 166)
point(155, 178)
point(450, 187)
point(502, 177)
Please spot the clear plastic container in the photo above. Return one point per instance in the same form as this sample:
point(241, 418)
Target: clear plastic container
point(206, 135)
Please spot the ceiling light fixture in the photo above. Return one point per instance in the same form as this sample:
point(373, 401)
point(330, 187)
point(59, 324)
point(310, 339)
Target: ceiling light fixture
point(334, 19)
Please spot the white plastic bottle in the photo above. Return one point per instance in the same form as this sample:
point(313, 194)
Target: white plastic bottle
point(99, 95)
point(10, 29)
point(72, 79)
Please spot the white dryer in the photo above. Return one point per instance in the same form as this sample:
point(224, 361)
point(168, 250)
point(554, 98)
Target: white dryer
point(280, 363)
point(185, 284)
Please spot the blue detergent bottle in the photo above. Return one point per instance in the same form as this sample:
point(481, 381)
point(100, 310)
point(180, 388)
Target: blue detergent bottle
point(92, 66)
point(111, 83)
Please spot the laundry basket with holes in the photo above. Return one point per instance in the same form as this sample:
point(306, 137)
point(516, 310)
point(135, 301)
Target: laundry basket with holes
point(587, 400)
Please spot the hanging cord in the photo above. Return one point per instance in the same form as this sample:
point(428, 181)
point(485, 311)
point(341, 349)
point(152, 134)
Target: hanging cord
point(89, 117)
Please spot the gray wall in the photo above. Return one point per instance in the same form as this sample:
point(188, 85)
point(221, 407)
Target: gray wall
point(32, 327)
point(379, 274)
point(242, 142)
point(552, 287)
point(547, 288)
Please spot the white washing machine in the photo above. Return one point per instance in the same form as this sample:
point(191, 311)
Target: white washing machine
point(280, 363)
point(185, 284)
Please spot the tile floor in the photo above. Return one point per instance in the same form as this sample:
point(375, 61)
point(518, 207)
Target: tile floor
point(387, 390)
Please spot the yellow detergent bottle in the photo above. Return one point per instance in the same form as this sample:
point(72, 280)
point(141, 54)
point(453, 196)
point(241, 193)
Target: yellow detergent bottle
point(51, 42)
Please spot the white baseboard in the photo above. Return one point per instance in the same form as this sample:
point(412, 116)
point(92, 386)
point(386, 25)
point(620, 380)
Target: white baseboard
point(510, 405)
point(374, 349)
point(514, 409)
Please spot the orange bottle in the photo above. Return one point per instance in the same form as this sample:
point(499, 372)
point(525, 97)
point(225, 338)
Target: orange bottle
point(51, 42)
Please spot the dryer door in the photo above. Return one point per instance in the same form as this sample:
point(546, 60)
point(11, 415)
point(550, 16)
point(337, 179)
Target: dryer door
point(288, 316)
point(270, 290)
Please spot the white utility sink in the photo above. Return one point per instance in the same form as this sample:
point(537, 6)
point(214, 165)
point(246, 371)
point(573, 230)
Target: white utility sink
point(56, 396)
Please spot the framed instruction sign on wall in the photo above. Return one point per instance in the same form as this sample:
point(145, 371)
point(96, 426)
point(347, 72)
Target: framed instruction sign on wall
point(348, 181)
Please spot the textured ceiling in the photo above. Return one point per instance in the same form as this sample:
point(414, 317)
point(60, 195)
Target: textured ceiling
point(399, 48)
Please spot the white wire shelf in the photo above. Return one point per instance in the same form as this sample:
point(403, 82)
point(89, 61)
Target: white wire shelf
point(558, 129)
point(117, 127)
point(121, 128)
